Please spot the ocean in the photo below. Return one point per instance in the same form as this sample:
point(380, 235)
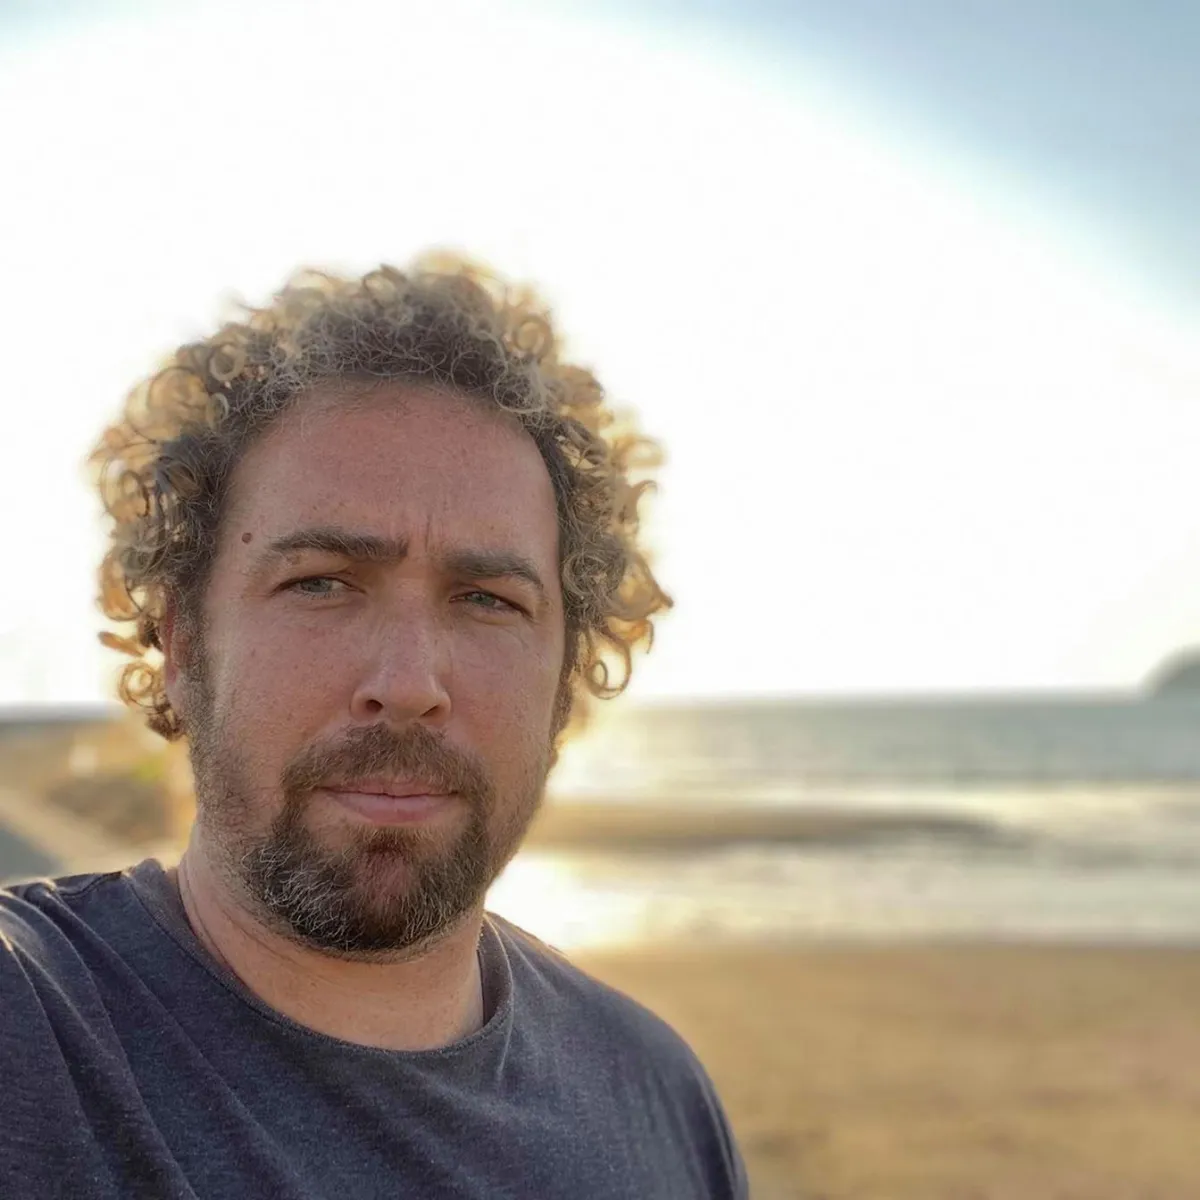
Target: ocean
point(1050, 818)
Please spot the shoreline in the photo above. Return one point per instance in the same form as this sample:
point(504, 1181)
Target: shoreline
point(656, 827)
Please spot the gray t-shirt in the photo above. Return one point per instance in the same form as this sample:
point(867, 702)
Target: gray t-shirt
point(133, 1065)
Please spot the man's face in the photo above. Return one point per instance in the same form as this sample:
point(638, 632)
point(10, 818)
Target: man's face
point(384, 616)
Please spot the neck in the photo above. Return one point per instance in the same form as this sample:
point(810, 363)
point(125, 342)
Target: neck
point(421, 1003)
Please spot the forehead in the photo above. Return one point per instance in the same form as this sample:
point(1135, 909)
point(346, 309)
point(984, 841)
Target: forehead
point(399, 461)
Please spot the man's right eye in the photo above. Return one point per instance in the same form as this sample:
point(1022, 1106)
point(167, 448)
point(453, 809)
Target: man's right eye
point(313, 585)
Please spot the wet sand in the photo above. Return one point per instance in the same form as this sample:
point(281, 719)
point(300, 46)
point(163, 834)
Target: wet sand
point(969, 1072)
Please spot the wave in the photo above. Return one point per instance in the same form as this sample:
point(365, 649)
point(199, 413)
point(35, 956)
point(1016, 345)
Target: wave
point(594, 825)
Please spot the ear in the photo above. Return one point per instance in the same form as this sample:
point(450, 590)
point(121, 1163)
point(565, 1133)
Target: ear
point(176, 643)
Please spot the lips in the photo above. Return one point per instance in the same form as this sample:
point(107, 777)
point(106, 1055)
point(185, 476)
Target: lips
point(397, 789)
point(392, 802)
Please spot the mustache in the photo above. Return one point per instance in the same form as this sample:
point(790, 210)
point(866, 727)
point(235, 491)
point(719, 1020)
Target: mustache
point(378, 750)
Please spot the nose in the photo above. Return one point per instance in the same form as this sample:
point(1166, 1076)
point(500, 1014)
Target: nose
point(403, 676)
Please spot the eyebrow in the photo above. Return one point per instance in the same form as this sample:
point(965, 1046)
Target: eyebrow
point(369, 548)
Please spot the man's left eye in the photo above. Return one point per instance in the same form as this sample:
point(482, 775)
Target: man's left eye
point(491, 601)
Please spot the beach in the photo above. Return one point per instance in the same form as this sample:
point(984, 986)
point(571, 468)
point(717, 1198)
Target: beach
point(943, 1072)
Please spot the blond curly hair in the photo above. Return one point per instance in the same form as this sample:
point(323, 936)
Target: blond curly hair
point(164, 468)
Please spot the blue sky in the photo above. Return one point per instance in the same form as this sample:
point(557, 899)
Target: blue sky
point(1094, 101)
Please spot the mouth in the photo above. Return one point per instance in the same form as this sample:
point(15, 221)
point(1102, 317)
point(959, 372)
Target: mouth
point(391, 802)
point(380, 786)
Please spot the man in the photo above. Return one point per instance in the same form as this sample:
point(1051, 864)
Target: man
point(376, 542)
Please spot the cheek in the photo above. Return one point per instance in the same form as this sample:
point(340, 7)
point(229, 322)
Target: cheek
point(506, 689)
point(518, 660)
point(272, 678)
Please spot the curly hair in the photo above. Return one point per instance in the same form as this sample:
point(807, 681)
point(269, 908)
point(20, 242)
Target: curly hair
point(164, 469)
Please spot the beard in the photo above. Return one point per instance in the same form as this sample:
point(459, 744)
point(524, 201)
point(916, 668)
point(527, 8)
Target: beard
point(386, 891)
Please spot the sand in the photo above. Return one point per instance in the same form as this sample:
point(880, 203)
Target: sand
point(967, 1072)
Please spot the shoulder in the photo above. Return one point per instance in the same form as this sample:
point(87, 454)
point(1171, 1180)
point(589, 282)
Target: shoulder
point(47, 989)
point(39, 911)
point(54, 1034)
point(48, 944)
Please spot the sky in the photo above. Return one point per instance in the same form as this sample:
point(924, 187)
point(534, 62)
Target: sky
point(908, 292)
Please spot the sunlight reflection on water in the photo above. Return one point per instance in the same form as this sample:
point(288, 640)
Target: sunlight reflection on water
point(548, 896)
point(888, 892)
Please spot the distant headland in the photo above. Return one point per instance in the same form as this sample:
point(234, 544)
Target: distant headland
point(1178, 676)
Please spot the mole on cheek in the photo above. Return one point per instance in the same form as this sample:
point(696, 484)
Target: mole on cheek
point(247, 537)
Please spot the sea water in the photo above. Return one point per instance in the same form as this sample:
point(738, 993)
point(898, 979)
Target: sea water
point(1082, 823)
